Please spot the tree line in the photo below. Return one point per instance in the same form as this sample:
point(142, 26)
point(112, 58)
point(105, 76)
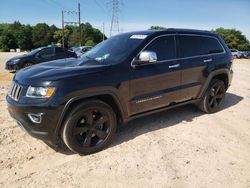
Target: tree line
point(235, 39)
point(27, 37)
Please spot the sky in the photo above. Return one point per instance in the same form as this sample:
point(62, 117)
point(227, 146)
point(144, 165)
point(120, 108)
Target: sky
point(134, 14)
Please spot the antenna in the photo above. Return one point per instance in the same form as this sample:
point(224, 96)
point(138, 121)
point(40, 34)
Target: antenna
point(114, 27)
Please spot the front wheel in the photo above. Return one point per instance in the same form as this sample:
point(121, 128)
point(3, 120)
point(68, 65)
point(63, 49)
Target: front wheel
point(28, 64)
point(89, 127)
point(214, 97)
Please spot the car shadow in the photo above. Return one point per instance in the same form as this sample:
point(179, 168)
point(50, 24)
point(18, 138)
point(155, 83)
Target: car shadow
point(165, 119)
point(158, 121)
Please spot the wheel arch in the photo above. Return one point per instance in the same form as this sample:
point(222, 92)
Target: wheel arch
point(221, 74)
point(27, 61)
point(108, 97)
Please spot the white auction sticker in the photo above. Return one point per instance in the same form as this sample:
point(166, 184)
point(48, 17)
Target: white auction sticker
point(138, 36)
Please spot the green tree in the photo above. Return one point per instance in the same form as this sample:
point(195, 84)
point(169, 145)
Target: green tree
point(41, 35)
point(89, 35)
point(23, 37)
point(74, 38)
point(90, 43)
point(233, 38)
point(58, 36)
point(7, 40)
point(26, 37)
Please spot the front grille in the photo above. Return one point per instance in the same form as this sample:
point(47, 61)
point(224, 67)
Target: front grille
point(15, 91)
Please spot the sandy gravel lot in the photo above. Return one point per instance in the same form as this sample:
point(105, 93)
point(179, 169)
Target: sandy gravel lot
point(181, 147)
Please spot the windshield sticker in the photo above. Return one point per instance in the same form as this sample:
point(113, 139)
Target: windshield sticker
point(138, 37)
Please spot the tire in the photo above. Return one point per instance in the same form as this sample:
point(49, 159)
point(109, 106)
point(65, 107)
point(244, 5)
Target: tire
point(214, 97)
point(89, 127)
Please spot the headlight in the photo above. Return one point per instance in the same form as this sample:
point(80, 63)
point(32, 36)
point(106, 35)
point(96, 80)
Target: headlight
point(15, 61)
point(40, 92)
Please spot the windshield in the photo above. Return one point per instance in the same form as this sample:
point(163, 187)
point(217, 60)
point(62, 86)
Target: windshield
point(34, 51)
point(115, 49)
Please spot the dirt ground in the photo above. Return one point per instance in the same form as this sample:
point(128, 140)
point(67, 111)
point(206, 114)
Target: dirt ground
point(181, 147)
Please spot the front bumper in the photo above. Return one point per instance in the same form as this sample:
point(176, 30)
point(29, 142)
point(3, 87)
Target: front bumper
point(46, 130)
point(11, 67)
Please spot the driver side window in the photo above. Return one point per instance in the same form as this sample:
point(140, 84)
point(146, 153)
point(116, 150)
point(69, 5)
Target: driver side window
point(47, 52)
point(164, 47)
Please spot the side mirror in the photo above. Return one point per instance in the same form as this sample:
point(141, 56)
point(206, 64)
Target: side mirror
point(145, 57)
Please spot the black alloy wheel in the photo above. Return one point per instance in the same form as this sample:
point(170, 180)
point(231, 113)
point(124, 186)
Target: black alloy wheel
point(216, 94)
point(90, 127)
point(214, 97)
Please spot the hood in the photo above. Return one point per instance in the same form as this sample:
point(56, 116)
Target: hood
point(18, 57)
point(57, 70)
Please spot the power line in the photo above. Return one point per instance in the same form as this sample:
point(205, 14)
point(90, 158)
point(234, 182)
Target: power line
point(114, 27)
point(78, 22)
point(101, 7)
point(56, 3)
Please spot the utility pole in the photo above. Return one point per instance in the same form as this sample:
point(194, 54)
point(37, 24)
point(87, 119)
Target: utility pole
point(78, 12)
point(103, 26)
point(79, 22)
point(114, 27)
point(62, 29)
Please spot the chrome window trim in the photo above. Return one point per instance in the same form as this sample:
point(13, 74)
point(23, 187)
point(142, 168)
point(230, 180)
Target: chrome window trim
point(181, 58)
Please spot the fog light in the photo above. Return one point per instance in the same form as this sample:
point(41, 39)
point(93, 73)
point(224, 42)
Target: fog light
point(36, 118)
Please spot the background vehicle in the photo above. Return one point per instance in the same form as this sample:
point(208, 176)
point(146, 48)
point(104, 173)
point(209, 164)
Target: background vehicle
point(124, 77)
point(38, 55)
point(82, 49)
point(245, 54)
point(235, 53)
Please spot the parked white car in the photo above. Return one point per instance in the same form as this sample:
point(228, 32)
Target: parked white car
point(235, 53)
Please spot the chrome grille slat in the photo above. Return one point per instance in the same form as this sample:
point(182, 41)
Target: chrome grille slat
point(15, 91)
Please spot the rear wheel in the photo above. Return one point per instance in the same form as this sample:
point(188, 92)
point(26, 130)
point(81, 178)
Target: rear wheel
point(89, 127)
point(214, 97)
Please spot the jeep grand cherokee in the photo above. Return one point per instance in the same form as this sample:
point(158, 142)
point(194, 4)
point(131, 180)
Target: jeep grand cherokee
point(81, 101)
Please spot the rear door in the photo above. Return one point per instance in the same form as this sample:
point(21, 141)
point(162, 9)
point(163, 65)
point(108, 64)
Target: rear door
point(156, 85)
point(61, 53)
point(197, 54)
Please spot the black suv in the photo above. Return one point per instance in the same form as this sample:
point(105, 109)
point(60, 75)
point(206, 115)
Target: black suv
point(38, 55)
point(81, 101)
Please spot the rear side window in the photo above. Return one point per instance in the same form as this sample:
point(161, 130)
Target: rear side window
point(164, 47)
point(198, 45)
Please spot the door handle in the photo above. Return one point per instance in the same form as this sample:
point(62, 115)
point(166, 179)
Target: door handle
point(173, 66)
point(207, 60)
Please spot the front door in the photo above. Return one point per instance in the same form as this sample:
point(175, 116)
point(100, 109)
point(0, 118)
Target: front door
point(46, 54)
point(157, 84)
